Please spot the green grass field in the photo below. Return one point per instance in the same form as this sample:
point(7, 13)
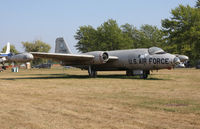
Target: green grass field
point(68, 99)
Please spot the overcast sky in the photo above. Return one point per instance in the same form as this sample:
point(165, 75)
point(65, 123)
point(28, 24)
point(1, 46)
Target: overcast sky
point(29, 20)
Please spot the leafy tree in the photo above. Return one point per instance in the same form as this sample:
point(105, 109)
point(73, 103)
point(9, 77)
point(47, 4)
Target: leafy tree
point(146, 36)
point(87, 38)
point(12, 49)
point(108, 36)
point(151, 36)
point(36, 46)
point(111, 36)
point(182, 31)
point(132, 33)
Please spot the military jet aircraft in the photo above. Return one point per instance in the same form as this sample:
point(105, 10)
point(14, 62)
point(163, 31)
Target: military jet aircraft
point(133, 61)
point(11, 57)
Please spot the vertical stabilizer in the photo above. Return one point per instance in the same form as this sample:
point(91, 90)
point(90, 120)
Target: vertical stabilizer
point(8, 48)
point(61, 46)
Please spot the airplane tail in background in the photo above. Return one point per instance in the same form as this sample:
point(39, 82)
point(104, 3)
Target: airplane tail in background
point(8, 48)
point(61, 46)
point(7, 53)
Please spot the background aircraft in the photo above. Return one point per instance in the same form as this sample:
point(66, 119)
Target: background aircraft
point(7, 51)
point(10, 57)
point(133, 61)
point(4, 55)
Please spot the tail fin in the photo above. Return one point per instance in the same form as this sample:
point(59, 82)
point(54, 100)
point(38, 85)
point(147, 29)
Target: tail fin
point(61, 46)
point(8, 48)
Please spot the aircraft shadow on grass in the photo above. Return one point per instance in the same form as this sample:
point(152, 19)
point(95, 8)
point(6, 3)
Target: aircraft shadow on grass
point(67, 76)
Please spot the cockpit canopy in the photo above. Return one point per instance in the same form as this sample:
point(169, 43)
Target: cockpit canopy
point(156, 50)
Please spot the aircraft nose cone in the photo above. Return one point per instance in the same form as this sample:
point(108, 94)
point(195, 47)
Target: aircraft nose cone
point(183, 58)
point(176, 61)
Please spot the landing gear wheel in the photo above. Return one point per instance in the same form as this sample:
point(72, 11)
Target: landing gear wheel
point(92, 72)
point(145, 75)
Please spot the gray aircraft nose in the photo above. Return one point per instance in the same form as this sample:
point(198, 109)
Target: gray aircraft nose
point(183, 58)
point(176, 61)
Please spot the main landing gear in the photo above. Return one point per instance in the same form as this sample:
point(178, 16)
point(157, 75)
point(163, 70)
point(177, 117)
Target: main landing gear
point(145, 74)
point(92, 72)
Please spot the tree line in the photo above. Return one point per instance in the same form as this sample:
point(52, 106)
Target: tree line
point(111, 36)
point(179, 34)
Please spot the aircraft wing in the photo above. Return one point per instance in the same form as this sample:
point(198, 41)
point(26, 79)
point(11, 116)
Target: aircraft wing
point(72, 58)
point(64, 57)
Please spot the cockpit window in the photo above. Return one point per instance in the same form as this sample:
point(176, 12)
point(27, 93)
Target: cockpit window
point(156, 50)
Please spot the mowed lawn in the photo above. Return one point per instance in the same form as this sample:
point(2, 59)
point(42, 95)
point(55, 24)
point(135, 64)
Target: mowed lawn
point(68, 99)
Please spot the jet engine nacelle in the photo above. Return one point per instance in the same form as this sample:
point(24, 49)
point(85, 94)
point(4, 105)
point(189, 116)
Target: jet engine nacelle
point(22, 57)
point(100, 57)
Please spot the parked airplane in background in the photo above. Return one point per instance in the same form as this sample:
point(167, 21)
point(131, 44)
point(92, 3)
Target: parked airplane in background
point(133, 61)
point(10, 57)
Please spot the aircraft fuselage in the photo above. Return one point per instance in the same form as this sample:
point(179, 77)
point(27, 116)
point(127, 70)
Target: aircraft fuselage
point(140, 59)
point(135, 59)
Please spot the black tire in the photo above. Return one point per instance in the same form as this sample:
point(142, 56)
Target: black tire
point(92, 73)
point(145, 75)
